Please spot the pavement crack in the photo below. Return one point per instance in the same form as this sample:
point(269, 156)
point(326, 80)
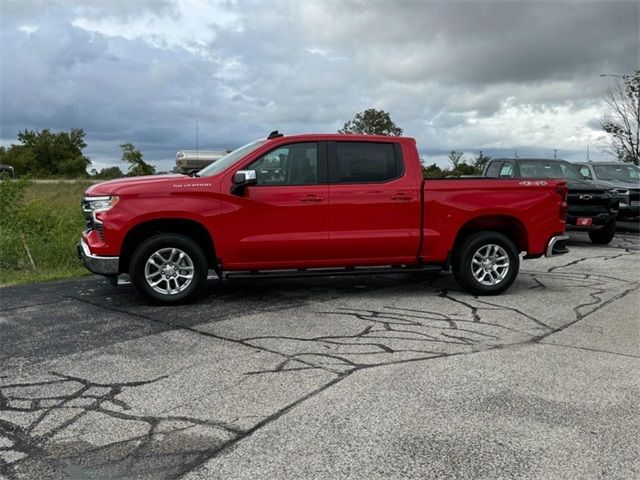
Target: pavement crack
point(444, 293)
point(271, 418)
point(580, 316)
point(176, 326)
point(587, 349)
point(31, 440)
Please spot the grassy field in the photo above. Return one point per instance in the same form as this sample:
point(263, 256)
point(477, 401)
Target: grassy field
point(44, 221)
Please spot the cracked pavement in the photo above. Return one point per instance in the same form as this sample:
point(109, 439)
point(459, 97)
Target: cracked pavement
point(401, 376)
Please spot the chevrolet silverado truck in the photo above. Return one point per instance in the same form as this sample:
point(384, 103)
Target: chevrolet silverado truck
point(305, 205)
point(592, 206)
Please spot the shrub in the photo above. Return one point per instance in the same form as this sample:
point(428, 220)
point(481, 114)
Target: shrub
point(41, 220)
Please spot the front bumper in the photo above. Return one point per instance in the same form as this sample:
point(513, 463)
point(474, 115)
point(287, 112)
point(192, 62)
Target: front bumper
point(96, 263)
point(628, 212)
point(597, 221)
point(557, 246)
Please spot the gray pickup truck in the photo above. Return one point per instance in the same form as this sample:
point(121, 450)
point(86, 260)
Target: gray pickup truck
point(626, 180)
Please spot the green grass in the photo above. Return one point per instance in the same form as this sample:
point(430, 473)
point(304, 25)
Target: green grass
point(45, 220)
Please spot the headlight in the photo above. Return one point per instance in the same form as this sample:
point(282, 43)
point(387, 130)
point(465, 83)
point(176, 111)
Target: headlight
point(622, 191)
point(98, 204)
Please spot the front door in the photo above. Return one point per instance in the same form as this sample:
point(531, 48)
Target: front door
point(282, 221)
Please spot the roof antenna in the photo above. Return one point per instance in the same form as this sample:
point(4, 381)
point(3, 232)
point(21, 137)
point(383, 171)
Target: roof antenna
point(196, 139)
point(515, 153)
point(588, 156)
point(555, 153)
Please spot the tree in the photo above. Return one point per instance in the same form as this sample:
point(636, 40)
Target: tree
point(44, 153)
point(456, 158)
point(480, 162)
point(137, 166)
point(433, 171)
point(108, 173)
point(372, 122)
point(622, 118)
point(465, 169)
point(461, 167)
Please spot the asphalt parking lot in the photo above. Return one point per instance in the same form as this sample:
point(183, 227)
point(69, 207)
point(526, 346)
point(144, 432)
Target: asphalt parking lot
point(399, 376)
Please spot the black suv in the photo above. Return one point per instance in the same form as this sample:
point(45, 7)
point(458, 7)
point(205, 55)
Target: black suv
point(593, 206)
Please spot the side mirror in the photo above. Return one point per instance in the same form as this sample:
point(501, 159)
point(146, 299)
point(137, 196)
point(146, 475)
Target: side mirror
point(242, 179)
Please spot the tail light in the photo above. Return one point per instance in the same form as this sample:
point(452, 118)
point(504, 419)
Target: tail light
point(562, 190)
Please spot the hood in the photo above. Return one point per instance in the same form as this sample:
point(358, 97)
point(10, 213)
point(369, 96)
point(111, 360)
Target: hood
point(585, 185)
point(132, 184)
point(626, 184)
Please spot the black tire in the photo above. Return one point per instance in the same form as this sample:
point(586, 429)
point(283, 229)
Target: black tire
point(604, 235)
point(462, 265)
point(162, 242)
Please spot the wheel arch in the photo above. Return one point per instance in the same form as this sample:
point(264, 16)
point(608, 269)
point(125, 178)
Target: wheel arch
point(510, 226)
point(144, 230)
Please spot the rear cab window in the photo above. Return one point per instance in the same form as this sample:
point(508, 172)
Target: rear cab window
point(364, 162)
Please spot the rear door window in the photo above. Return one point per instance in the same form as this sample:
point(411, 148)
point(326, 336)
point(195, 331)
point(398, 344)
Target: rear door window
point(365, 162)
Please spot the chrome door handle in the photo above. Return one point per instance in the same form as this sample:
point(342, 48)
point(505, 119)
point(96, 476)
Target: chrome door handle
point(311, 198)
point(401, 197)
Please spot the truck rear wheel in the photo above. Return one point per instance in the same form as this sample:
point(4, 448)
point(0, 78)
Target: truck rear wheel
point(486, 263)
point(168, 268)
point(604, 235)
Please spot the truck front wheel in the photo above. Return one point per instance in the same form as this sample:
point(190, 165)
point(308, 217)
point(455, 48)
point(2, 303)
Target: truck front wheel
point(486, 263)
point(604, 235)
point(168, 268)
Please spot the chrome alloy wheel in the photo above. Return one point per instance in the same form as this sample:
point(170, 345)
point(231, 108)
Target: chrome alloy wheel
point(169, 271)
point(490, 264)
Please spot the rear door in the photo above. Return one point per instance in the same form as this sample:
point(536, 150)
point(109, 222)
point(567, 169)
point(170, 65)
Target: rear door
point(374, 204)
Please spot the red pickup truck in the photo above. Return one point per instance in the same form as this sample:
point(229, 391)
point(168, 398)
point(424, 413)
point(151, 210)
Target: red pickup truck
point(317, 205)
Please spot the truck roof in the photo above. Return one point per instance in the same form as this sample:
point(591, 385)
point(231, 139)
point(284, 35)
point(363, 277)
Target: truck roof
point(342, 136)
point(603, 162)
point(527, 159)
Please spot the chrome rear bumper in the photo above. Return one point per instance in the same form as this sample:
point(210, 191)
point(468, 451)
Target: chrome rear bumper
point(557, 246)
point(97, 264)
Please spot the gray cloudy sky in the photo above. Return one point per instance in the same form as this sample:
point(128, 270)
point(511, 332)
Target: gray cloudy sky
point(483, 75)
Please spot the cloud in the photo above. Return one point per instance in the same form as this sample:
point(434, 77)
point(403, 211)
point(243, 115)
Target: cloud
point(456, 75)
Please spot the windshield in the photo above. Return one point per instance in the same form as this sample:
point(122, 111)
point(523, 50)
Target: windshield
point(550, 169)
point(229, 159)
point(628, 173)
